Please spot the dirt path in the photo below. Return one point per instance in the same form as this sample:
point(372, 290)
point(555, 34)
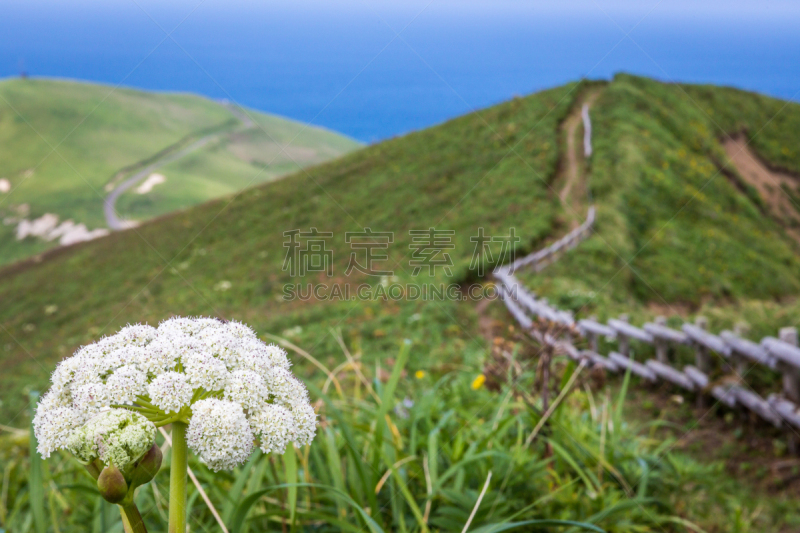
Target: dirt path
point(573, 191)
point(769, 184)
point(114, 222)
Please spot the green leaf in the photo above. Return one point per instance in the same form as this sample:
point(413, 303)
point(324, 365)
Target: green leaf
point(368, 480)
point(387, 400)
point(409, 498)
point(617, 507)
point(433, 456)
point(565, 455)
point(290, 466)
point(238, 487)
point(496, 528)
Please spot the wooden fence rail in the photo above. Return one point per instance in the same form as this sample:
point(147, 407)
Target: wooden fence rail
point(728, 354)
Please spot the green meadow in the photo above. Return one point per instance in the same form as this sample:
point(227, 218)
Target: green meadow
point(678, 233)
point(65, 144)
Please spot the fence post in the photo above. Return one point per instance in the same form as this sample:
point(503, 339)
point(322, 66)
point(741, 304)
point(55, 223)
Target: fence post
point(594, 344)
point(740, 330)
point(662, 348)
point(623, 343)
point(701, 358)
point(791, 383)
point(791, 376)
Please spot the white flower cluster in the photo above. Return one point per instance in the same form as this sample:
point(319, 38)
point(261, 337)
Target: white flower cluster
point(230, 386)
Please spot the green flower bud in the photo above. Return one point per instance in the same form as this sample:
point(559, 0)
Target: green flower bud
point(146, 468)
point(118, 437)
point(112, 485)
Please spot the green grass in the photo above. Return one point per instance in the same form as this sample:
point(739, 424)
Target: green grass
point(490, 169)
point(63, 142)
point(380, 463)
point(672, 228)
point(235, 162)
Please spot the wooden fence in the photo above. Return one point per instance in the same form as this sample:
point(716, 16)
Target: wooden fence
point(728, 353)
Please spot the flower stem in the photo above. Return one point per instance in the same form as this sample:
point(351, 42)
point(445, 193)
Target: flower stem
point(131, 519)
point(177, 479)
point(171, 420)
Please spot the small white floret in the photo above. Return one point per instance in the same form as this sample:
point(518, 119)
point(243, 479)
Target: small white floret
point(125, 384)
point(219, 434)
point(52, 428)
point(170, 392)
point(160, 356)
point(246, 388)
point(274, 426)
point(285, 388)
point(305, 420)
point(91, 398)
point(205, 371)
point(136, 335)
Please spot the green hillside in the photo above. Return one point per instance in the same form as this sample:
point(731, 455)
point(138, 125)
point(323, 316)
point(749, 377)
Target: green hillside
point(64, 145)
point(456, 176)
point(656, 154)
point(655, 166)
point(678, 226)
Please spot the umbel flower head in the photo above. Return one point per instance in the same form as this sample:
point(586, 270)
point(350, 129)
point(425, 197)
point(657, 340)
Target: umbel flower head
point(218, 377)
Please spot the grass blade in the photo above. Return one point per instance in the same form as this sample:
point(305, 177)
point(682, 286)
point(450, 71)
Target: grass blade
point(387, 400)
point(290, 466)
point(367, 480)
point(497, 528)
point(244, 507)
point(409, 499)
point(238, 487)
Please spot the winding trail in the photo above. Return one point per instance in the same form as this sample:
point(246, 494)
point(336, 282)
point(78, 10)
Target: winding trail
point(113, 220)
point(573, 170)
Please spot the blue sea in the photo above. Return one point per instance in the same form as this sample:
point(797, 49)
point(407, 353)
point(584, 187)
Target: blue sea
point(380, 68)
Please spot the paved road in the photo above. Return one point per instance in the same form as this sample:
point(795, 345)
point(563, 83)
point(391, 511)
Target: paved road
point(112, 216)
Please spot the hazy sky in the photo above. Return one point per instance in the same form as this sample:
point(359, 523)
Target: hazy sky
point(764, 8)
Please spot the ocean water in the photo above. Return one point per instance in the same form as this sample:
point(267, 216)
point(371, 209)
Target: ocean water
point(373, 70)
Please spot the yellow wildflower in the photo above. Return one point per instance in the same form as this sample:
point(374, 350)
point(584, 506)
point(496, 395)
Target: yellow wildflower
point(478, 382)
point(419, 374)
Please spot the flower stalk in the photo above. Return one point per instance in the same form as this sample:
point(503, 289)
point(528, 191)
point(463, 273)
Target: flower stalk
point(131, 518)
point(177, 479)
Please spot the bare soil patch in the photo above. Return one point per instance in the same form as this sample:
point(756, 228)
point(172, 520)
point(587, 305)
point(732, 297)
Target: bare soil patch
point(776, 188)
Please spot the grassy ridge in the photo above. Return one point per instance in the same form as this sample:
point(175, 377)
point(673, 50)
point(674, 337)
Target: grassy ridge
point(673, 228)
point(656, 154)
point(243, 159)
point(460, 176)
point(101, 132)
point(101, 135)
point(771, 125)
